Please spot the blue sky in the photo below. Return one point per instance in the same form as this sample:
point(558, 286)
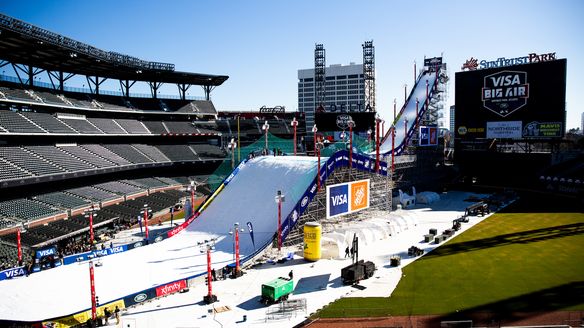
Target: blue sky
point(262, 44)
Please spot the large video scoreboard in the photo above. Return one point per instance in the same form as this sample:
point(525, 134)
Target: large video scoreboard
point(525, 101)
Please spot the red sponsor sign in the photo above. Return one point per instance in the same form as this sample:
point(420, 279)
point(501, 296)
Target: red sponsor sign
point(182, 226)
point(171, 288)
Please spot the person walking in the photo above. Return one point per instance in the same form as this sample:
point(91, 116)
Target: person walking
point(291, 275)
point(117, 314)
point(347, 252)
point(107, 314)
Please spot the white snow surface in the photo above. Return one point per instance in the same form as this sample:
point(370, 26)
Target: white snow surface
point(250, 196)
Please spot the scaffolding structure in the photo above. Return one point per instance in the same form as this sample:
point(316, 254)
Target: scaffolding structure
point(379, 200)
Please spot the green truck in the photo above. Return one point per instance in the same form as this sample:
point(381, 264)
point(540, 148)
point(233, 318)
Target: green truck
point(277, 290)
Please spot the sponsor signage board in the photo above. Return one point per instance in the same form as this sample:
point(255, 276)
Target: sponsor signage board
point(428, 136)
point(533, 96)
point(338, 121)
point(171, 288)
point(504, 130)
point(345, 198)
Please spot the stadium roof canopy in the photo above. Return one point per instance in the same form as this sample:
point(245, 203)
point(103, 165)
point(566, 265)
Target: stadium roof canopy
point(26, 44)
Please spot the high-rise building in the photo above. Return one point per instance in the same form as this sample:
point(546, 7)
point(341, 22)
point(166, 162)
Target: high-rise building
point(344, 90)
point(452, 119)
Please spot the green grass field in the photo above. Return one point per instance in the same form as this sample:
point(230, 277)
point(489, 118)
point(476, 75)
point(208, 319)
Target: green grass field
point(511, 262)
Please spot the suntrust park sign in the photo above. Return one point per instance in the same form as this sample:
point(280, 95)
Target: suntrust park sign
point(474, 64)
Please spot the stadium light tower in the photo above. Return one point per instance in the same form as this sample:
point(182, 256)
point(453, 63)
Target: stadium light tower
point(351, 124)
point(192, 188)
point(90, 214)
point(294, 124)
point(145, 212)
point(266, 127)
point(279, 200)
point(232, 146)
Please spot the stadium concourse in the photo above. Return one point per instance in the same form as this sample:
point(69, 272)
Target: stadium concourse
point(249, 197)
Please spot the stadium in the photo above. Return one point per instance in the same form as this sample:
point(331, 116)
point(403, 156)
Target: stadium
point(161, 211)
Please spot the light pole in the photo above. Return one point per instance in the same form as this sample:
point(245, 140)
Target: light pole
point(369, 132)
point(266, 127)
point(317, 147)
point(377, 144)
point(294, 124)
point(417, 106)
point(351, 124)
point(209, 298)
point(192, 188)
point(394, 105)
point(232, 145)
point(405, 93)
point(427, 92)
point(235, 233)
point(405, 133)
point(92, 286)
point(392, 149)
point(20, 230)
point(279, 200)
point(145, 212)
point(238, 142)
point(90, 214)
point(314, 130)
point(414, 71)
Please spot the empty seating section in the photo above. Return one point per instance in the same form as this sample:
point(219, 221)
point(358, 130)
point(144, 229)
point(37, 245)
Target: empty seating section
point(152, 152)
point(119, 187)
point(27, 161)
point(50, 98)
point(16, 123)
point(61, 158)
point(206, 127)
point(278, 127)
point(223, 126)
point(147, 183)
point(16, 94)
point(128, 152)
point(62, 200)
point(48, 122)
point(94, 194)
point(81, 125)
point(180, 127)
point(25, 209)
point(199, 106)
point(87, 156)
point(7, 222)
point(107, 125)
point(178, 153)
point(10, 171)
point(155, 127)
point(208, 151)
point(169, 181)
point(107, 154)
point(133, 126)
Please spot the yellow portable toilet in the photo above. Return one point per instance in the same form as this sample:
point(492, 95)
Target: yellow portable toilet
point(312, 235)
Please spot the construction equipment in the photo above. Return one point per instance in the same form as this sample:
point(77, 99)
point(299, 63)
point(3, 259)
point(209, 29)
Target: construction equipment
point(277, 290)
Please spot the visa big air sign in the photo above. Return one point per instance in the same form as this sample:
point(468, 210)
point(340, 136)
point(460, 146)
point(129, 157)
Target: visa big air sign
point(347, 197)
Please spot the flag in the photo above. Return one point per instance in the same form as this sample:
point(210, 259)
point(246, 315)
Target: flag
point(250, 228)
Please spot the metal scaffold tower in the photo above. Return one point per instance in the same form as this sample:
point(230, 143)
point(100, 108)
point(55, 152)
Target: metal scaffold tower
point(369, 73)
point(319, 75)
point(380, 200)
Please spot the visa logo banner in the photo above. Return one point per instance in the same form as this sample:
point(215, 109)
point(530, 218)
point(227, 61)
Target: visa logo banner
point(347, 197)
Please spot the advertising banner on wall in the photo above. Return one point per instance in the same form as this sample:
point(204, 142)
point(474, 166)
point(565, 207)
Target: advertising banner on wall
point(428, 136)
point(518, 101)
point(345, 198)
